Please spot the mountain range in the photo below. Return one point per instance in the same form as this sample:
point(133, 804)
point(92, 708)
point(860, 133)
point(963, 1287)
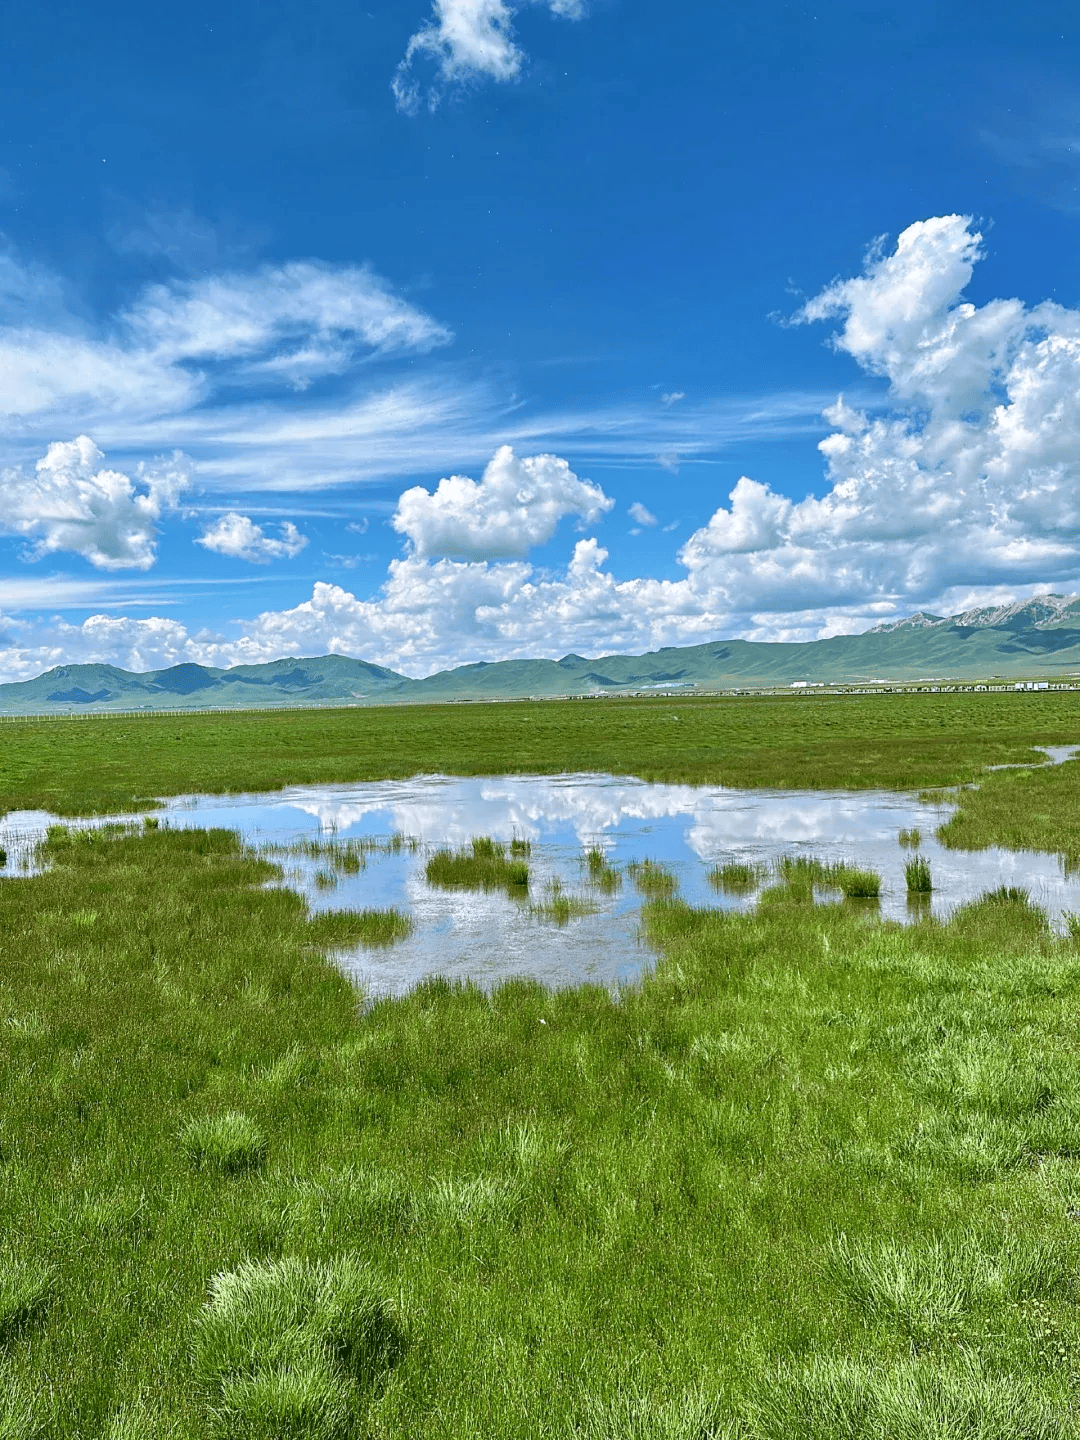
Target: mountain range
point(1034, 638)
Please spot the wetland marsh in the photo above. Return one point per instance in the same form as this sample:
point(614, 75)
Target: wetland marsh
point(368, 846)
point(815, 1173)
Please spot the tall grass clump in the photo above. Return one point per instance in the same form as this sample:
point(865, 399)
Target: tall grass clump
point(856, 884)
point(910, 839)
point(634, 1413)
point(373, 928)
point(351, 860)
point(737, 877)
point(230, 1143)
point(917, 875)
point(292, 1347)
point(483, 865)
point(800, 875)
point(602, 874)
point(835, 1397)
point(653, 880)
point(928, 1285)
point(138, 1421)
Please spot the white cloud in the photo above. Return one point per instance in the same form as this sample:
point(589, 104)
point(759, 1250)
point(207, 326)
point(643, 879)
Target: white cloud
point(301, 319)
point(73, 503)
point(240, 538)
point(964, 490)
point(276, 379)
point(639, 513)
point(673, 397)
point(179, 344)
point(517, 504)
point(973, 479)
point(467, 40)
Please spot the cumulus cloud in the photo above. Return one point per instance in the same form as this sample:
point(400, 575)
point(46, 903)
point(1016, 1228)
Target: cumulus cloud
point(240, 538)
point(971, 479)
point(428, 614)
point(642, 516)
point(466, 40)
point(673, 397)
point(962, 488)
point(515, 505)
point(73, 502)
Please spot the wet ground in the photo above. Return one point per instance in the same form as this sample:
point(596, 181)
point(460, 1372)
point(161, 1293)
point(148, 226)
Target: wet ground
point(487, 937)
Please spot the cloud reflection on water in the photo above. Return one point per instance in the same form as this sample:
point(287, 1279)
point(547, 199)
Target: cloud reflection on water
point(488, 937)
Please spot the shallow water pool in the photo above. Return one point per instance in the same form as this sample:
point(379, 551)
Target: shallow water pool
point(489, 937)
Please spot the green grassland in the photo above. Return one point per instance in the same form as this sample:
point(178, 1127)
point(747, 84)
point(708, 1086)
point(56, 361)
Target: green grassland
point(112, 763)
point(817, 1176)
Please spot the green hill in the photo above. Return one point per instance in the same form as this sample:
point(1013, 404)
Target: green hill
point(1036, 638)
point(104, 687)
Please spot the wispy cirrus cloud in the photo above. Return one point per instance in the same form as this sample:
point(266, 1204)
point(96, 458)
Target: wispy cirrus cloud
point(964, 490)
point(182, 345)
point(287, 378)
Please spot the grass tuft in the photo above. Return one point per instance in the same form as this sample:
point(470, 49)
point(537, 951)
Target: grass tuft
point(561, 909)
point(601, 872)
point(838, 1398)
point(635, 1414)
point(800, 875)
point(917, 874)
point(737, 877)
point(26, 1290)
point(230, 1143)
point(481, 1200)
point(139, 1421)
point(351, 860)
point(374, 928)
point(289, 1347)
point(481, 866)
point(856, 884)
point(653, 880)
point(306, 1401)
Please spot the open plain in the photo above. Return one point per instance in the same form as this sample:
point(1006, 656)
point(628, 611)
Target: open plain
point(818, 1174)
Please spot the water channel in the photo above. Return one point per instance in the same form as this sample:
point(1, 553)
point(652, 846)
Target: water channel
point(487, 937)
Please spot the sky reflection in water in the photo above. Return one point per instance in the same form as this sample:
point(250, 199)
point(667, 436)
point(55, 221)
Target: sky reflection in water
point(487, 937)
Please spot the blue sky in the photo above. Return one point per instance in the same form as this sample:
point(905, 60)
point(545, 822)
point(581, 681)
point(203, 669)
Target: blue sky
point(271, 277)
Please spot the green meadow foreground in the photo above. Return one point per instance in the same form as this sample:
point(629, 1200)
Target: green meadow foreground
point(818, 1176)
